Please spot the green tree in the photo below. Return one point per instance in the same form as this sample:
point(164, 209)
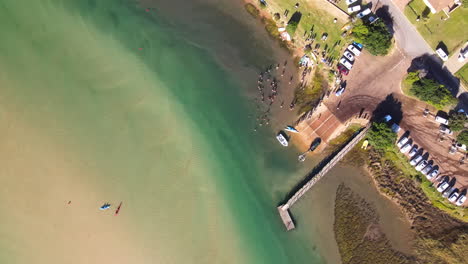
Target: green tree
point(412, 77)
point(463, 137)
point(375, 37)
point(381, 136)
point(457, 121)
point(432, 92)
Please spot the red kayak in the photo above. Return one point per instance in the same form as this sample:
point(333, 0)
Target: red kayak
point(118, 209)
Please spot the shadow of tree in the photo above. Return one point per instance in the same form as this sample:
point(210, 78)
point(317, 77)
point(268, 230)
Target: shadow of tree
point(431, 64)
point(384, 14)
point(389, 106)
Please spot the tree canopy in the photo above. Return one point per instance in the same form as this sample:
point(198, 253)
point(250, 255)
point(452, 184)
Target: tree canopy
point(463, 137)
point(381, 136)
point(375, 37)
point(457, 121)
point(432, 92)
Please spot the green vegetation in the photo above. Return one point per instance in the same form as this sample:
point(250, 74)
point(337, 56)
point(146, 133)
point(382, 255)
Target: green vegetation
point(292, 27)
point(457, 121)
point(381, 137)
point(463, 137)
point(442, 251)
point(270, 27)
point(342, 139)
point(436, 28)
point(430, 91)
point(307, 97)
point(358, 234)
point(463, 74)
point(315, 20)
point(375, 37)
point(252, 10)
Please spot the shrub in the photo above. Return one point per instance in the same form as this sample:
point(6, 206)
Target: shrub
point(463, 137)
point(252, 10)
point(375, 37)
point(432, 92)
point(380, 136)
point(457, 121)
point(276, 16)
point(291, 27)
point(412, 77)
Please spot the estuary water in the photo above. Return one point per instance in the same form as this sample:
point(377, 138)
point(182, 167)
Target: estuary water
point(144, 104)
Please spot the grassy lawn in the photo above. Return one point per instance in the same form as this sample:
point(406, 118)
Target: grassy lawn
point(452, 32)
point(401, 162)
point(463, 74)
point(315, 17)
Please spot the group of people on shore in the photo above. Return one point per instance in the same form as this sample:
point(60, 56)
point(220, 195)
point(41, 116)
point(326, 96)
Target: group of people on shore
point(267, 86)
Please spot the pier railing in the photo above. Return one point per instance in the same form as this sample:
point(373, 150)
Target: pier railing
point(283, 209)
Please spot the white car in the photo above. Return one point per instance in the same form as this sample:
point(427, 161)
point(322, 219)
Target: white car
point(444, 129)
point(452, 198)
point(442, 54)
point(441, 120)
point(427, 169)
point(461, 200)
point(346, 63)
point(354, 50)
point(416, 160)
point(348, 56)
point(433, 174)
point(405, 148)
point(421, 165)
point(363, 13)
point(354, 9)
point(349, 2)
point(413, 151)
point(402, 142)
point(442, 187)
point(448, 192)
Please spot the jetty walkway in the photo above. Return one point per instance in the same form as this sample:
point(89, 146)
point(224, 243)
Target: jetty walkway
point(283, 209)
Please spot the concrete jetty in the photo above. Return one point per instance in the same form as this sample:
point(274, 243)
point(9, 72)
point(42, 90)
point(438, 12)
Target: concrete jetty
point(284, 208)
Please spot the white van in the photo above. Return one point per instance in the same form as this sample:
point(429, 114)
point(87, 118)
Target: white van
point(441, 120)
point(442, 54)
point(346, 63)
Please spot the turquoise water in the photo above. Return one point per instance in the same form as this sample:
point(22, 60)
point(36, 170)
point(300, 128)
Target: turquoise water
point(151, 117)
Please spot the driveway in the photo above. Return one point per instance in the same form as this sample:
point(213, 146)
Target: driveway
point(453, 65)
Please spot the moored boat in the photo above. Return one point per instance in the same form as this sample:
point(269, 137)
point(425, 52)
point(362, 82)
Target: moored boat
point(282, 139)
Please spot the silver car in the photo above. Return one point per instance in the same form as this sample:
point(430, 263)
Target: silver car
point(413, 151)
point(348, 55)
point(416, 160)
point(402, 142)
point(421, 165)
point(461, 200)
point(427, 169)
point(444, 185)
point(405, 148)
point(433, 174)
point(454, 196)
point(448, 191)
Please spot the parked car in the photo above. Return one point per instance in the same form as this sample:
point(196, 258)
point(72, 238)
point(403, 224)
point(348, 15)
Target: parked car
point(346, 63)
point(441, 120)
point(405, 148)
point(395, 128)
point(340, 91)
point(348, 56)
point(454, 196)
point(433, 174)
point(364, 13)
point(416, 160)
point(343, 70)
point(442, 54)
point(461, 200)
point(421, 165)
point(448, 191)
point(463, 55)
point(413, 151)
point(427, 169)
point(358, 45)
point(402, 141)
point(354, 50)
point(349, 2)
point(372, 18)
point(353, 9)
point(444, 185)
point(444, 129)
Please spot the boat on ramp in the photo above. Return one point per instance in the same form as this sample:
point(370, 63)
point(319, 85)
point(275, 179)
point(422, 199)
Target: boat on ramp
point(282, 138)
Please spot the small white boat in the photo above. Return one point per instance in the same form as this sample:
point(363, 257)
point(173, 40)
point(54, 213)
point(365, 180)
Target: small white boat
point(282, 139)
point(291, 129)
point(105, 206)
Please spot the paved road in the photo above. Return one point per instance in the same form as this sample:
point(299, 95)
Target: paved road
point(407, 37)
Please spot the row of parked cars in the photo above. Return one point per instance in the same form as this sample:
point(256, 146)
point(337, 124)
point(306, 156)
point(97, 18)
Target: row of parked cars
point(349, 56)
point(430, 170)
point(356, 8)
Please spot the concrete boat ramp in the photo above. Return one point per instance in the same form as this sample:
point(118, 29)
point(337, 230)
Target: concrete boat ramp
point(283, 209)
